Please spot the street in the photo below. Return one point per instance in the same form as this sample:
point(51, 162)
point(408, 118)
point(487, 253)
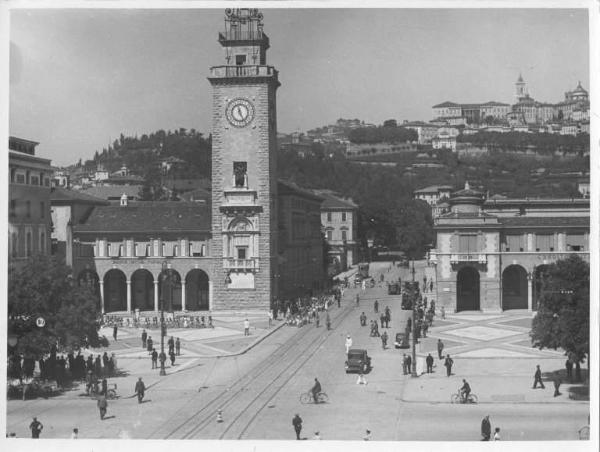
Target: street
point(258, 392)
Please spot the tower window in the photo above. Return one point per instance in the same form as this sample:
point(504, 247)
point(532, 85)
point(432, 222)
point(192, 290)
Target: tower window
point(240, 176)
point(240, 60)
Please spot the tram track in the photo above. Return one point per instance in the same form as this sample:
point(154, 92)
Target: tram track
point(243, 406)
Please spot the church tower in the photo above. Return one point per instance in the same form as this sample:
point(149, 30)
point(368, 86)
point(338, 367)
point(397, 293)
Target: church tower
point(521, 89)
point(244, 167)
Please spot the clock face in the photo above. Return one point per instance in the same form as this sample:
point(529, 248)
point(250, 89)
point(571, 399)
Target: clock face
point(240, 112)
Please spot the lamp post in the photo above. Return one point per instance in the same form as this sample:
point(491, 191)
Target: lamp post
point(414, 324)
point(165, 275)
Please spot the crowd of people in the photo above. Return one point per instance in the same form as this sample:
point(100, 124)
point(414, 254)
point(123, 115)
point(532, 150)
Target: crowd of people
point(303, 311)
point(63, 368)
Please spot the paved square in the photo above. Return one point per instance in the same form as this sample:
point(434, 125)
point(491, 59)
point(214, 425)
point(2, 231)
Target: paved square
point(481, 333)
point(492, 353)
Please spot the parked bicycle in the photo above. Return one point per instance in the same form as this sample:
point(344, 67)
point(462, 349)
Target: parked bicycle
point(459, 398)
point(307, 397)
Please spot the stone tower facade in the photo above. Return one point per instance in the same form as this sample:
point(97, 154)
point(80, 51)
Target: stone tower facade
point(520, 88)
point(244, 167)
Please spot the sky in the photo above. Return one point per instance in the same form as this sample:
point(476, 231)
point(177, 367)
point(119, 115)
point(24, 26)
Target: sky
point(81, 77)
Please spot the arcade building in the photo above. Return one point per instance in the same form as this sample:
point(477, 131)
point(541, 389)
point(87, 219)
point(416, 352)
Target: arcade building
point(490, 255)
point(248, 244)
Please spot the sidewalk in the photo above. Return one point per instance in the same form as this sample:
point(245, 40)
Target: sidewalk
point(197, 345)
point(438, 388)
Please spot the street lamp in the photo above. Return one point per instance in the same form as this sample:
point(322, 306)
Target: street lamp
point(414, 331)
point(165, 275)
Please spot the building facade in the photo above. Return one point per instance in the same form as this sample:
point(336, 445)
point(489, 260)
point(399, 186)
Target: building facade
point(491, 256)
point(301, 264)
point(29, 220)
point(339, 223)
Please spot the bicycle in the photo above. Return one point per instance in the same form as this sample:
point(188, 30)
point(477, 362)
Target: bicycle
point(458, 398)
point(307, 397)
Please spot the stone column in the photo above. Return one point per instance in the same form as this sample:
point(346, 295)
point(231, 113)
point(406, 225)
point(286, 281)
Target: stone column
point(156, 295)
point(529, 293)
point(182, 294)
point(101, 282)
point(210, 295)
point(128, 282)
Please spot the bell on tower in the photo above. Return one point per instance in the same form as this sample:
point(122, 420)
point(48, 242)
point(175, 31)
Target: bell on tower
point(244, 41)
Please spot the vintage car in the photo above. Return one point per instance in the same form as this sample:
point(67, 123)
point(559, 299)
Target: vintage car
point(401, 341)
point(358, 361)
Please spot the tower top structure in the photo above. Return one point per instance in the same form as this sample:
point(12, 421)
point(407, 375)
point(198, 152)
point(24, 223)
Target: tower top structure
point(244, 40)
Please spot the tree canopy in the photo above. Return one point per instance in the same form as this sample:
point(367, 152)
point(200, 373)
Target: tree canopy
point(388, 133)
point(563, 316)
point(42, 287)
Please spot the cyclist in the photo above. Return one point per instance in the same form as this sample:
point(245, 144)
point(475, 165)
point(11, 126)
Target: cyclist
point(465, 391)
point(316, 389)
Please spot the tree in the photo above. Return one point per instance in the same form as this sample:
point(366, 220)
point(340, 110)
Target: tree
point(152, 189)
point(43, 287)
point(414, 228)
point(390, 123)
point(563, 316)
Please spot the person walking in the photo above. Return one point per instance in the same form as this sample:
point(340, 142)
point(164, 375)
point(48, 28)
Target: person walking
point(382, 320)
point(297, 423)
point(361, 380)
point(75, 433)
point(367, 436)
point(177, 347)
point(149, 344)
point(36, 428)
point(408, 364)
point(246, 327)
point(486, 429)
point(154, 358)
point(270, 314)
point(376, 306)
point(429, 362)
point(162, 357)
point(357, 299)
point(363, 319)
point(431, 285)
point(404, 367)
point(115, 332)
point(102, 406)
point(328, 321)
point(443, 312)
point(557, 382)
point(348, 343)
point(497, 434)
point(569, 367)
point(384, 339)
point(172, 358)
point(537, 378)
point(104, 387)
point(440, 348)
point(448, 362)
point(140, 388)
point(388, 316)
point(144, 338)
point(317, 319)
point(171, 343)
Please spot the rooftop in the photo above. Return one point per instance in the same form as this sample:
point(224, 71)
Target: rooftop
point(149, 216)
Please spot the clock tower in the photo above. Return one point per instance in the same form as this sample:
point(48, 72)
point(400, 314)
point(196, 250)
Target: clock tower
point(244, 167)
